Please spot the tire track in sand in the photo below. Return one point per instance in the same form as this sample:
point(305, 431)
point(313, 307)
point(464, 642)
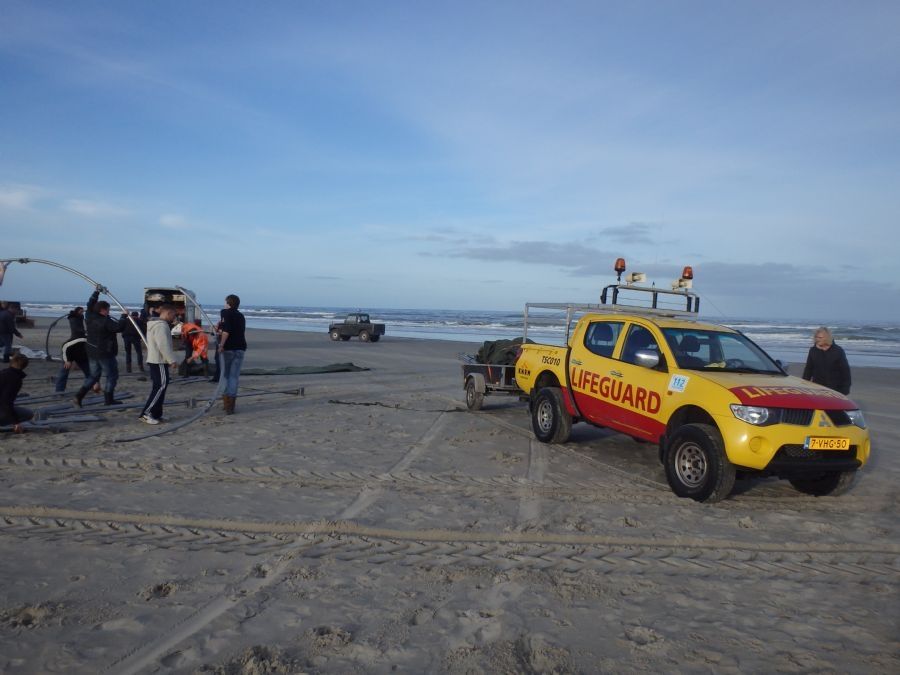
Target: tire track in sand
point(147, 654)
point(532, 550)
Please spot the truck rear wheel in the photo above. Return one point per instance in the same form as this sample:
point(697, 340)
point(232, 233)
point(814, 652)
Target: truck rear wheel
point(550, 420)
point(364, 335)
point(474, 398)
point(831, 483)
point(335, 335)
point(696, 464)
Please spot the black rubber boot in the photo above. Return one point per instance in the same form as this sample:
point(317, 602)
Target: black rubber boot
point(79, 397)
point(108, 399)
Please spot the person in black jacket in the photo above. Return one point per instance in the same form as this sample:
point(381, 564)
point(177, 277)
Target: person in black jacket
point(74, 353)
point(131, 338)
point(76, 323)
point(827, 363)
point(232, 345)
point(10, 385)
point(7, 330)
point(102, 347)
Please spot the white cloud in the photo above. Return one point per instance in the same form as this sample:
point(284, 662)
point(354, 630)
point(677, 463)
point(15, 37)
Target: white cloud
point(174, 221)
point(94, 209)
point(19, 197)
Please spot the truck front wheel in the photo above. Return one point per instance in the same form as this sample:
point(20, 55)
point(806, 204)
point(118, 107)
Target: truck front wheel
point(696, 464)
point(832, 483)
point(335, 335)
point(550, 420)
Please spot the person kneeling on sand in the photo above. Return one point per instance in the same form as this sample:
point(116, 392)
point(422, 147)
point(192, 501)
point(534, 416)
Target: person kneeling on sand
point(10, 385)
point(160, 358)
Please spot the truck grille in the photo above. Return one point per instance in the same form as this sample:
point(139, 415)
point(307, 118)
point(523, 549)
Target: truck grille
point(799, 416)
point(795, 452)
point(796, 461)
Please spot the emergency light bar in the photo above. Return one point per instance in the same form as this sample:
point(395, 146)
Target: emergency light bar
point(655, 300)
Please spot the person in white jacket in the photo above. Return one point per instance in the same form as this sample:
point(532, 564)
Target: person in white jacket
point(160, 358)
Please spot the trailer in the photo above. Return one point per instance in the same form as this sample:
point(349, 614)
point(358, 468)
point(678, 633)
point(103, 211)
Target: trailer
point(484, 379)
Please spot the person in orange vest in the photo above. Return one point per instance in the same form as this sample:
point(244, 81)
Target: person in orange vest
point(196, 347)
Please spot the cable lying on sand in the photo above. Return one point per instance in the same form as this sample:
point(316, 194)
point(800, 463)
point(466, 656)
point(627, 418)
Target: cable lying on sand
point(209, 404)
point(305, 370)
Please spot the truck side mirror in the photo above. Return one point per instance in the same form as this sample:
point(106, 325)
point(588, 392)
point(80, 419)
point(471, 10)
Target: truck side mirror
point(646, 358)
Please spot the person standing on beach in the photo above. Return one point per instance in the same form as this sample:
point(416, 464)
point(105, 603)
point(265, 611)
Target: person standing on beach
point(160, 358)
point(10, 385)
point(102, 347)
point(232, 345)
point(7, 330)
point(131, 339)
point(76, 323)
point(827, 363)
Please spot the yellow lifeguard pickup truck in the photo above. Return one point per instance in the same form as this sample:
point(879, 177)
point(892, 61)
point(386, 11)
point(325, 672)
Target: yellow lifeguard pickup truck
point(714, 401)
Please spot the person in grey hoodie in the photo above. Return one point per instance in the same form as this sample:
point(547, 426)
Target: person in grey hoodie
point(160, 358)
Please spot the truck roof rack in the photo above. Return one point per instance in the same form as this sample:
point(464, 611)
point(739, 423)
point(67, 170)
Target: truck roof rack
point(611, 301)
point(689, 300)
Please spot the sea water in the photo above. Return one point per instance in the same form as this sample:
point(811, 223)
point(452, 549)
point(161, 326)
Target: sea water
point(866, 343)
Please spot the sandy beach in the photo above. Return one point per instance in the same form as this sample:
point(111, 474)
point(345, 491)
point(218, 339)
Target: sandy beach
point(374, 525)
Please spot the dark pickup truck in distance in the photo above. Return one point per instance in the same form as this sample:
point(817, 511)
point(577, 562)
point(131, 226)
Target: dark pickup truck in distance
point(356, 325)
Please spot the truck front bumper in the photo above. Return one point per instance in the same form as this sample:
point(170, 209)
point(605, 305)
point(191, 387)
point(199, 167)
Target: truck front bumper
point(782, 449)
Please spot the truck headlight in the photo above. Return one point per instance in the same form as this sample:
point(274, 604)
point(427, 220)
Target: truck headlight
point(752, 414)
point(857, 418)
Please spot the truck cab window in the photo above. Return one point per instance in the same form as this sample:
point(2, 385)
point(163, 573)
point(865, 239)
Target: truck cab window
point(639, 338)
point(601, 336)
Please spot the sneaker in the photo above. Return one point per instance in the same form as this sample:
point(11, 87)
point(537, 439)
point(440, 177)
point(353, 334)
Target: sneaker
point(146, 419)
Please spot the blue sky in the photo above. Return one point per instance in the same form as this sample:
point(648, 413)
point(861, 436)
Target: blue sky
point(455, 155)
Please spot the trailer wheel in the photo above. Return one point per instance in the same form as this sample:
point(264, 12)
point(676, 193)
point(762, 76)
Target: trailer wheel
point(335, 335)
point(364, 335)
point(550, 420)
point(831, 483)
point(345, 338)
point(474, 398)
point(376, 338)
point(696, 464)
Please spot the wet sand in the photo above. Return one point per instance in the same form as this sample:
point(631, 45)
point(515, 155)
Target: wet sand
point(373, 524)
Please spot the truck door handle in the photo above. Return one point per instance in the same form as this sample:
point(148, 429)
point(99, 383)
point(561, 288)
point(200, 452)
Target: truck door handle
point(576, 362)
point(615, 373)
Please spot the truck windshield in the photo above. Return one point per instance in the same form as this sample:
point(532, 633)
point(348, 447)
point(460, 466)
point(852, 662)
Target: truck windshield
point(717, 350)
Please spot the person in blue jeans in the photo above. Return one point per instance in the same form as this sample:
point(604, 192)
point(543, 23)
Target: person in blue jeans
point(74, 353)
point(102, 348)
point(7, 330)
point(232, 345)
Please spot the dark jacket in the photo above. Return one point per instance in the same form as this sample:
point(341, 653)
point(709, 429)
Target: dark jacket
point(829, 368)
point(8, 323)
point(234, 324)
point(76, 325)
point(101, 331)
point(10, 384)
point(129, 331)
point(75, 350)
